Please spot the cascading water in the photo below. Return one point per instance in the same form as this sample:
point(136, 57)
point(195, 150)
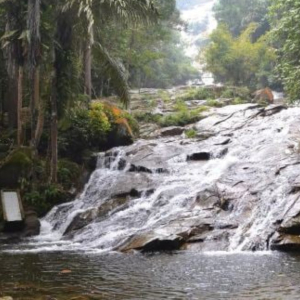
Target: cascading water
point(229, 189)
point(201, 22)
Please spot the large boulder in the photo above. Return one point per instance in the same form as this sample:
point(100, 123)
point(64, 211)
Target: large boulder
point(285, 242)
point(153, 243)
point(263, 95)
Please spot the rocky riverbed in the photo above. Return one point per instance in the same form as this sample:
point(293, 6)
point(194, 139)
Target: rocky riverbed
point(234, 186)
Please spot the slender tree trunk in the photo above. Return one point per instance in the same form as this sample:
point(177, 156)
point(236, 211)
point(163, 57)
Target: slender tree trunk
point(39, 106)
point(34, 19)
point(32, 112)
point(88, 71)
point(88, 65)
point(54, 134)
point(13, 101)
point(20, 105)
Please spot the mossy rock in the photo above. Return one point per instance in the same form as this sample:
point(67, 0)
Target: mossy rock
point(16, 165)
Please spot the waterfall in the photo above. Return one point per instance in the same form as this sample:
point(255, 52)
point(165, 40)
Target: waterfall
point(229, 189)
point(201, 22)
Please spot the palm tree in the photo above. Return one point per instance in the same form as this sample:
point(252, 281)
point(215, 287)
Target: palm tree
point(133, 11)
point(126, 11)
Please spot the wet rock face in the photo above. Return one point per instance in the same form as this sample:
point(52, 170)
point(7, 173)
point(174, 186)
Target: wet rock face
point(237, 188)
point(172, 131)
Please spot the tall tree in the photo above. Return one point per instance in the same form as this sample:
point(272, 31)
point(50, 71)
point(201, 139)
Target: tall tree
point(285, 20)
point(34, 54)
point(238, 14)
point(128, 11)
point(14, 51)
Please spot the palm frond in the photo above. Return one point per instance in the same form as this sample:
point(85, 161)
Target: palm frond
point(115, 71)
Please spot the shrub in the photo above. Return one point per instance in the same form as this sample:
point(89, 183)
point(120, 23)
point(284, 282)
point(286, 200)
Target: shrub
point(179, 118)
point(45, 197)
point(102, 126)
point(165, 96)
point(198, 94)
point(68, 173)
point(214, 103)
point(191, 133)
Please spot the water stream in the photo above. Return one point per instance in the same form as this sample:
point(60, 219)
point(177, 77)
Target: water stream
point(189, 276)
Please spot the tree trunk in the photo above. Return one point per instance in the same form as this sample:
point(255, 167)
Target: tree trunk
point(39, 105)
point(20, 105)
point(13, 101)
point(88, 66)
point(34, 54)
point(88, 71)
point(54, 134)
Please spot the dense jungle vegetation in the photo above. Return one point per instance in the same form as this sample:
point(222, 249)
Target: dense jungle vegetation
point(58, 55)
point(256, 44)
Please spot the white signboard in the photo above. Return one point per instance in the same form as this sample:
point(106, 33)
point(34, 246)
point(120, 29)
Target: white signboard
point(11, 207)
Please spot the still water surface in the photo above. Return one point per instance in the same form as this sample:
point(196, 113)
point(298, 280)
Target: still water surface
point(183, 275)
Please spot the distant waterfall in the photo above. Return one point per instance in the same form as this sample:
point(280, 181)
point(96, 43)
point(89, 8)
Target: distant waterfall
point(201, 22)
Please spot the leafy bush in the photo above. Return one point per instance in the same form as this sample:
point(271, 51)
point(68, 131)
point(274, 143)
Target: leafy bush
point(68, 173)
point(191, 133)
point(165, 96)
point(97, 128)
point(214, 103)
point(198, 94)
point(146, 117)
point(237, 101)
point(180, 118)
point(45, 197)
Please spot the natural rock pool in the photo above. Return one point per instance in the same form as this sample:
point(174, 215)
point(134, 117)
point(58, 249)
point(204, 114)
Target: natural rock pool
point(183, 275)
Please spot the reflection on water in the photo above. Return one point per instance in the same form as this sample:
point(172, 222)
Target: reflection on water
point(178, 276)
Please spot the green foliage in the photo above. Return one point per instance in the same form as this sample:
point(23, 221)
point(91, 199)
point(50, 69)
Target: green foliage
point(191, 133)
point(45, 197)
point(16, 165)
point(84, 129)
point(285, 20)
point(146, 117)
point(237, 101)
point(240, 61)
point(165, 96)
point(94, 129)
point(68, 173)
point(238, 14)
point(180, 118)
point(153, 56)
point(201, 93)
point(237, 92)
point(214, 103)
